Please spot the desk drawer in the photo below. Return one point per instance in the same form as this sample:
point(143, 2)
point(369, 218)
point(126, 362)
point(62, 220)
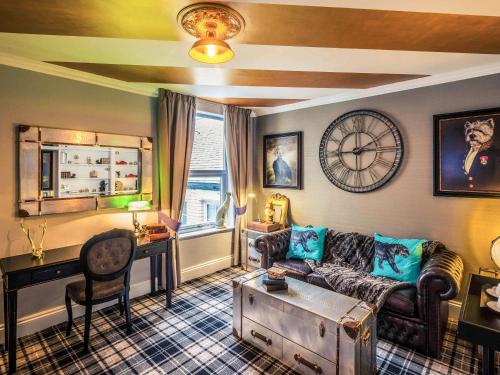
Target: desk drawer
point(150, 249)
point(54, 272)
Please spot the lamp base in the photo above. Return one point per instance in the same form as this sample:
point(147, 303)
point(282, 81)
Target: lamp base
point(496, 273)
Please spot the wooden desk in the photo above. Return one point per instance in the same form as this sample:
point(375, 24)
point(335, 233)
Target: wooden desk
point(23, 271)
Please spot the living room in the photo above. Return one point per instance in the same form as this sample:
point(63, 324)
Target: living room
point(243, 187)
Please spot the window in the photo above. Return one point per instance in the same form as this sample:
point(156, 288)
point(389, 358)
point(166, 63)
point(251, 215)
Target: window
point(210, 211)
point(207, 181)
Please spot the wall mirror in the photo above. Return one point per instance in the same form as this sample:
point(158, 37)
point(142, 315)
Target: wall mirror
point(69, 171)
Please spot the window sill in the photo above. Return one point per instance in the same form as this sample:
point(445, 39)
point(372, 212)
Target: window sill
point(203, 233)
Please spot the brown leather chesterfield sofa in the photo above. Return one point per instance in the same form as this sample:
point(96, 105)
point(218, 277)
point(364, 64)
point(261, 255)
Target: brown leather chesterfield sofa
point(414, 317)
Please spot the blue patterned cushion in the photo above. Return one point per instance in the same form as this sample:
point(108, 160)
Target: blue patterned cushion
point(398, 258)
point(307, 243)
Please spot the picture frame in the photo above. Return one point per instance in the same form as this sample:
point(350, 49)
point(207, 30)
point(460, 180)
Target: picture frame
point(466, 154)
point(282, 160)
point(280, 205)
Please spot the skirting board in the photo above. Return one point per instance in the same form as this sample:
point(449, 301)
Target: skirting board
point(206, 268)
point(29, 324)
point(454, 309)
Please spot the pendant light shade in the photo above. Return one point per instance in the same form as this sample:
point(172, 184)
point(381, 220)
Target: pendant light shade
point(212, 24)
point(211, 51)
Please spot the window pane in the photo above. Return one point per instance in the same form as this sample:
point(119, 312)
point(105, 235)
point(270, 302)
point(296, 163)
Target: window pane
point(208, 147)
point(202, 199)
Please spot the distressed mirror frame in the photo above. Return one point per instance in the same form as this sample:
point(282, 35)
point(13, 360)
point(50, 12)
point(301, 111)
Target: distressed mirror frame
point(30, 140)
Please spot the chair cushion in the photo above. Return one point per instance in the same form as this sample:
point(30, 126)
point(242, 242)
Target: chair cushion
point(403, 302)
point(295, 268)
point(101, 289)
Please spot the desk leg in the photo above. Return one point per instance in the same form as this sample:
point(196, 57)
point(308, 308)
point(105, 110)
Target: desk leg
point(153, 275)
point(5, 318)
point(488, 361)
point(159, 271)
point(12, 318)
point(169, 275)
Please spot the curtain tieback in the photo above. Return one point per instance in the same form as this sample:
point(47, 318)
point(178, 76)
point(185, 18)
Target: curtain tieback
point(241, 210)
point(171, 223)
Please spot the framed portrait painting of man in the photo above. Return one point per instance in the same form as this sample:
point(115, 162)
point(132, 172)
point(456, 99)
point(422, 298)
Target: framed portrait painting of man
point(283, 160)
point(466, 153)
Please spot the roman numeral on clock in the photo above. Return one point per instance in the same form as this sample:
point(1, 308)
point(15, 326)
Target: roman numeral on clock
point(379, 160)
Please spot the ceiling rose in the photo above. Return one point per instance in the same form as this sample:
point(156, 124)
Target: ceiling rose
point(212, 24)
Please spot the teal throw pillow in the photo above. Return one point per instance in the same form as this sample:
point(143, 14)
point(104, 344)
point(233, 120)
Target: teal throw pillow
point(307, 243)
point(398, 258)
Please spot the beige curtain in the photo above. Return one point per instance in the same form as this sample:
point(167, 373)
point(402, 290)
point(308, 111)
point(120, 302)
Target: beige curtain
point(238, 133)
point(176, 123)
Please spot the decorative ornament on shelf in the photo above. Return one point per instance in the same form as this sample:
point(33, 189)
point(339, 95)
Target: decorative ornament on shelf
point(220, 217)
point(211, 23)
point(269, 213)
point(36, 251)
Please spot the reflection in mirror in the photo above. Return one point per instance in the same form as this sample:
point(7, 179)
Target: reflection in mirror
point(71, 171)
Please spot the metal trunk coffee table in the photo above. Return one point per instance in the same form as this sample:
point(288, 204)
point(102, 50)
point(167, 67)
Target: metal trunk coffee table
point(311, 329)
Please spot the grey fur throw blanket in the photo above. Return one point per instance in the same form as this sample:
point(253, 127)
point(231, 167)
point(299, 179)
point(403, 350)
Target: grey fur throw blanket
point(348, 261)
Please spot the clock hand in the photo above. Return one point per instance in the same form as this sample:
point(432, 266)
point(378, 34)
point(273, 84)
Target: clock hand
point(387, 131)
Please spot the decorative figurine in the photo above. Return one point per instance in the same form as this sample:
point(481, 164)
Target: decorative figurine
point(220, 217)
point(36, 251)
point(269, 213)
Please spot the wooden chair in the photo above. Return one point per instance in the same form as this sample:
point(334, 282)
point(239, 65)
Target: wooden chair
point(106, 260)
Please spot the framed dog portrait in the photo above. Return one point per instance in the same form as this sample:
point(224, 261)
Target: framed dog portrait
point(466, 154)
point(283, 160)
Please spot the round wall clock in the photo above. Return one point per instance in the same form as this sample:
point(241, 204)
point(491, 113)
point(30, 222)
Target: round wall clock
point(360, 151)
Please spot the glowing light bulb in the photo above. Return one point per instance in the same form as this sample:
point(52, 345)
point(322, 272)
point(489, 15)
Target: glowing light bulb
point(211, 50)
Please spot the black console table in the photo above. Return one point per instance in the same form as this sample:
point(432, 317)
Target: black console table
point(23, 271)
point(477, 323)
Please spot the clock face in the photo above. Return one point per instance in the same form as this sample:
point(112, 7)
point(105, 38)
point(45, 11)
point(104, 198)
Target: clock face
point(360, 151)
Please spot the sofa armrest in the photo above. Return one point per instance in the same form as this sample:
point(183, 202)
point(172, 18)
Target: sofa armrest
point(273, 246)
point(439, 280)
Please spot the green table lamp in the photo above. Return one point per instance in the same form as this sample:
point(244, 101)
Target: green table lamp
point(135, 207)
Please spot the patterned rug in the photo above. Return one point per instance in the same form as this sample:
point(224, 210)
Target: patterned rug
point(194, 337)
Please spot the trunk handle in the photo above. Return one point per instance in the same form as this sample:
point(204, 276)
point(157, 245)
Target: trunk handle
point(305, 362)
point(261, 337)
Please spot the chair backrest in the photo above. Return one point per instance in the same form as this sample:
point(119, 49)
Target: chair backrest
point(108, 256)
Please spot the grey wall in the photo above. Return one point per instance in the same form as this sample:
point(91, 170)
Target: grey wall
point(38, 99)
point(405, 206)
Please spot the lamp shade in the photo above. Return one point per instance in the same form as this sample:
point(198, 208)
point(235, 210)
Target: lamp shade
point(211, 51)
point(139, 206)
point(495, 252)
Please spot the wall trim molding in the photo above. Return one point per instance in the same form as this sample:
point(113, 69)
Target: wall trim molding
point(75, 75)
point(454, 309)
point(437, 79)
point(40, 320)
point(205, 268)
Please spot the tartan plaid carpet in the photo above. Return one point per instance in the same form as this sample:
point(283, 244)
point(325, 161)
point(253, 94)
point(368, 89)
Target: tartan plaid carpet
point(194, 337)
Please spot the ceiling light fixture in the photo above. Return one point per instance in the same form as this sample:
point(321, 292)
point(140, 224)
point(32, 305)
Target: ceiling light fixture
point(212, 24)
